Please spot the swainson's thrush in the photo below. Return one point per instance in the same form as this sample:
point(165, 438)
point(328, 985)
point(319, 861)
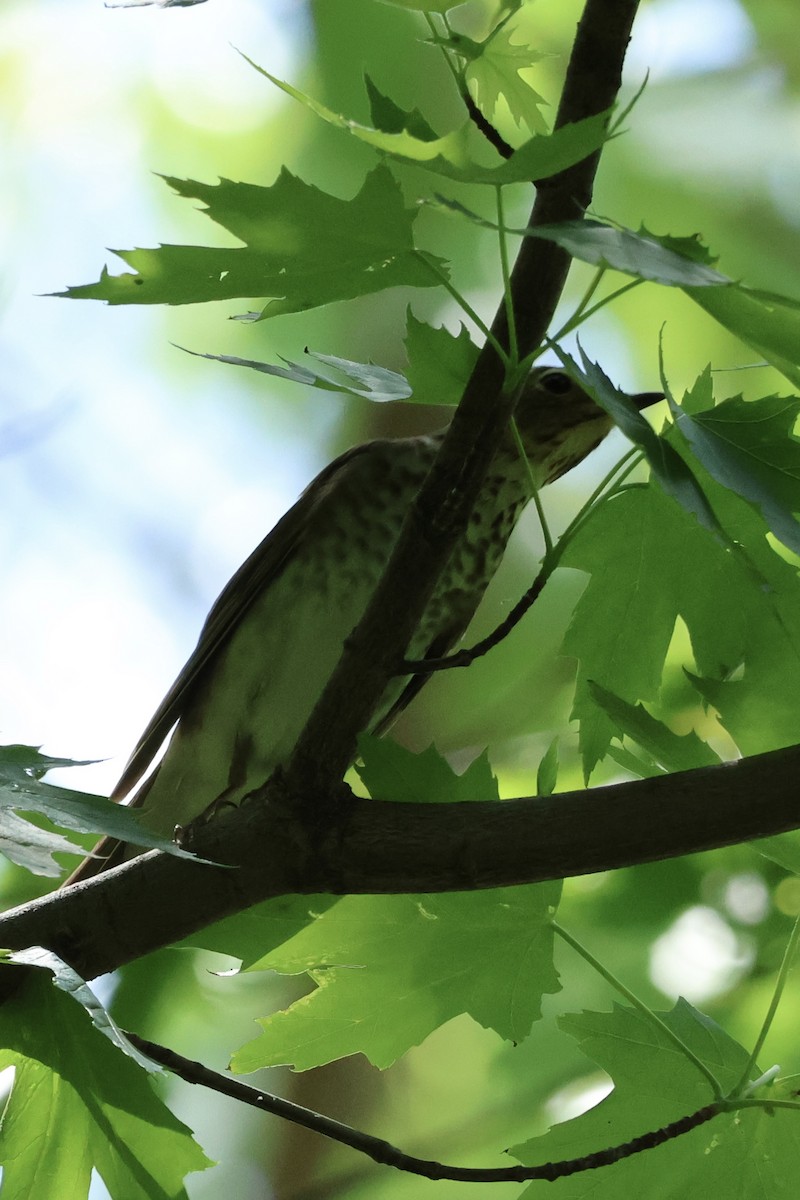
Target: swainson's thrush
point(276, 632)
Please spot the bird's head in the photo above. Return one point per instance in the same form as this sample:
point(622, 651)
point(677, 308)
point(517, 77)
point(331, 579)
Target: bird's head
point(560, 424)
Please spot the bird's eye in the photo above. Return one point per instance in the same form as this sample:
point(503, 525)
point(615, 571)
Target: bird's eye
point(557, 383)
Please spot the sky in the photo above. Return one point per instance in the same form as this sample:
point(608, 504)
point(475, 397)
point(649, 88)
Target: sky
point(100, 468)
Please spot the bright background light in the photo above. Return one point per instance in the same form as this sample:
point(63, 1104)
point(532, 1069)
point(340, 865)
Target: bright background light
point(122, 517)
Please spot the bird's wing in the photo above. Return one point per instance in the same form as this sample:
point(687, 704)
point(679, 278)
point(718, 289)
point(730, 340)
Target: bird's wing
point(258, 572)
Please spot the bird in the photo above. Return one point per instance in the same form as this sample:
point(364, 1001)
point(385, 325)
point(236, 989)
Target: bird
point(276, 632)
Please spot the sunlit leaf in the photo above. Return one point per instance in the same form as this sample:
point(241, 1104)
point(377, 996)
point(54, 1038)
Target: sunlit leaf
point(538, 158)
point(439, 362)
point(22, 791)
point(494, 70)
point(745, 1155)
point(366, 379)
point(370, 248)
point(547, 773)
point(759, 704)
point(635, 548)
point(391, 118)
point(368, 954)
point(248, 936)
point(783, 849)
point(77, 1104)
point(73, 985)
point(439, 6)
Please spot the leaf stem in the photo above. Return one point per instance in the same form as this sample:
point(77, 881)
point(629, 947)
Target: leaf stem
point(550, 560)
point(641, 1007)
point(466, 307)
point(780, 984)
point(534, 491)
point(582, 304)
point(583, 313)
point(615, 295)
point(735, 1104)
point(629, 461)
point(457, 79)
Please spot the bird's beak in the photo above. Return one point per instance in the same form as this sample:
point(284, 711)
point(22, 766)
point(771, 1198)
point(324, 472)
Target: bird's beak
point(645, 399)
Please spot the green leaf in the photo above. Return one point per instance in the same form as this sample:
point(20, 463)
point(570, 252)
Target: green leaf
point(367, 380)
point(439, 6)
point(249, 935)
point(783, 849)
point(672, 471)
point(673, 262)
point(22, 765)
point(672, 751)
point(749, 447)
point(496, 72)
point(391, 118)
point(547, 774)
point(439, 362)
point(377, 383)
point(78, 1103)
point(636, 547)
point(390, 772)
point(69, 981)
point(759, 704)
point(21, 789)
point(391, 969)
point(303, 247)
point(28, 846)
point(642, 254)
point(641, 766)
point(545, 154)
point(404, 143)
point(538, 158)
point(749, 1155)
point(768, 322)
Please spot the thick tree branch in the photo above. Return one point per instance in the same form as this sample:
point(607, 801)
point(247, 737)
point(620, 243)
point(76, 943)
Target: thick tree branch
point(440, 513)
point(371, 847)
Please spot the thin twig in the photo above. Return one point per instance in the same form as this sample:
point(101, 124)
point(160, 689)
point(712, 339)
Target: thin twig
point(554, 552)
point(789, 956)
point(388, 1155)
point(463, 658)
point(486, 128)
point(651, 1017)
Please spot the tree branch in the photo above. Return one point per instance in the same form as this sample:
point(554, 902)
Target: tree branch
point(370, 847)
point(386, 1154)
